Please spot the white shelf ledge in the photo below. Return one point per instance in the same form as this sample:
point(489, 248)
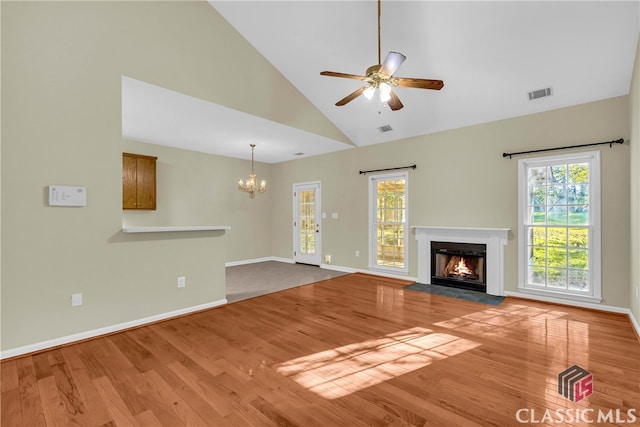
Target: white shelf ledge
point(175, 228)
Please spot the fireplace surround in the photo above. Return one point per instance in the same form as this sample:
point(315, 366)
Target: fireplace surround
point(494, 239)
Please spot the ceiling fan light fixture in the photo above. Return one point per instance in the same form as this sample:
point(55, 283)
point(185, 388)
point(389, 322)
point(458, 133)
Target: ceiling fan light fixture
point(368, 92)
point(385, 92)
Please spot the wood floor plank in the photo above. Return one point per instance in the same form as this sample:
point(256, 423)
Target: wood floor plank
point(10, 410)
point(9, 379)
point(55, 412)
point(205, 385)
point(356, 350)
point(30, 399)
point(121, 416)
point(95, 412)
point(148, 419)
point(67, 389)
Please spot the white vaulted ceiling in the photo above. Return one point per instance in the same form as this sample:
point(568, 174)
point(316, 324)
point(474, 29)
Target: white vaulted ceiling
point(489, 55)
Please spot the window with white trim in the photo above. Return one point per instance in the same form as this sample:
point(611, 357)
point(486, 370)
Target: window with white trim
point(388, 211)
point(559, 215)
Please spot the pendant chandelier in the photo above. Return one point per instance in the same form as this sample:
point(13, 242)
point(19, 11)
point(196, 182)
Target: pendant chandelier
point(251, 186)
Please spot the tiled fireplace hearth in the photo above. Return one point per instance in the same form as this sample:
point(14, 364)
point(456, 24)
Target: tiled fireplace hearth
point(494, 238)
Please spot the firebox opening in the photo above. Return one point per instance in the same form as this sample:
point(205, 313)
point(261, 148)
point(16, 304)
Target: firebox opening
point(460, 265)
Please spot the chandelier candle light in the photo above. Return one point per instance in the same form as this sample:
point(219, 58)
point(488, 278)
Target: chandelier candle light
point(251, 185)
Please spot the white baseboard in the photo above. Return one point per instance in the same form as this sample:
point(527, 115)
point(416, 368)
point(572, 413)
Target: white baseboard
point(338, 268)
point(634, 323)
point(18, 351)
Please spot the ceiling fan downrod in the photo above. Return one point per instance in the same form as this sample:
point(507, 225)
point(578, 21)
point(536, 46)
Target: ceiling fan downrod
point(379, 56)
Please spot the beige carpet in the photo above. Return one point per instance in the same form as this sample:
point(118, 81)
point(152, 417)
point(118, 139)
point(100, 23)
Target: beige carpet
point(251, 280)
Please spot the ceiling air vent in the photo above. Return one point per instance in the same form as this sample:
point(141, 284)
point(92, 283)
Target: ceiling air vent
point(540, 93)
point(385, 128)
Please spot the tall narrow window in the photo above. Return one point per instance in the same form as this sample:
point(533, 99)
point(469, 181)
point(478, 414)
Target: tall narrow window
point(388, 212)
point(560, 225)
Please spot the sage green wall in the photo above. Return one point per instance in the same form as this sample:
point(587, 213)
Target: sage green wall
point(62, 64)
point(634, 114)
point(463, 180)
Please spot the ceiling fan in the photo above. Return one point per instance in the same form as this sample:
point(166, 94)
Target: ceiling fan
point(380, 76)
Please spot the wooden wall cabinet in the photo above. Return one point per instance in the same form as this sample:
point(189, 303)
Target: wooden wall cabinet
point(138, 181)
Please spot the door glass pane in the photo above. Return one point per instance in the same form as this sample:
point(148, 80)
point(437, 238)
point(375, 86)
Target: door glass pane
point(307, 209)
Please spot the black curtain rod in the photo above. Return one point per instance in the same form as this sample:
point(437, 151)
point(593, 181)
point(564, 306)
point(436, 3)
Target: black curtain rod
point(388, 169)
point(610, 143)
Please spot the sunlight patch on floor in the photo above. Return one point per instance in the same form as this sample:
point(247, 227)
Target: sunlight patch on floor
point(343, 370)
point(498, 320)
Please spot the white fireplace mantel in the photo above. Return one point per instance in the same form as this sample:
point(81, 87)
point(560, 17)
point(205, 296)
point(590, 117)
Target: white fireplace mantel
point(494, 238)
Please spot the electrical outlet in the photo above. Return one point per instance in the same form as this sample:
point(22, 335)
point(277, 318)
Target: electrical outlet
point(76, 300)
point(327, 259)
point(357, 253)
point(182, 282)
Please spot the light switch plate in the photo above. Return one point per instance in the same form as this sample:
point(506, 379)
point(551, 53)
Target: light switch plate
point(76, 300)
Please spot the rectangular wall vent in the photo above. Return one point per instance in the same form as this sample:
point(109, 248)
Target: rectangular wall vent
point(540, 93)
point(385, 128)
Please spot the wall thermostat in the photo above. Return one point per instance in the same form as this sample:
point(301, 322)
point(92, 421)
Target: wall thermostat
point(64, 195)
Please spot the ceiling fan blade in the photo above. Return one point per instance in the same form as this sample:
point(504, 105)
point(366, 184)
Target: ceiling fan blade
point(391, 63)
point(351, 96)
point(420, 83)
point(343, 75)
point(394, 103)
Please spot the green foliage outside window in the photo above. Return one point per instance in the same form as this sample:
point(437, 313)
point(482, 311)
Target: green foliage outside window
point(558, 203)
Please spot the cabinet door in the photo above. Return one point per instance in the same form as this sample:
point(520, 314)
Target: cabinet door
point(138, 181)
point(146, 183)
point(129, 184)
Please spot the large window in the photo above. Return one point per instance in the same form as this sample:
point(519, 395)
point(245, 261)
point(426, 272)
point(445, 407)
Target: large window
point(560, 225)
point(388, 231)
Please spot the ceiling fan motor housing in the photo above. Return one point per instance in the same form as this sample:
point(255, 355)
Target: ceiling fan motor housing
point(375, 77)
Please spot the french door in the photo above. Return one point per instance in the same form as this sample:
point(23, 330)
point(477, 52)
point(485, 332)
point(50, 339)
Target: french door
point(307, 235)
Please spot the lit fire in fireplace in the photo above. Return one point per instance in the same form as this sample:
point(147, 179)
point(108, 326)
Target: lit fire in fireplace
point(461, 269)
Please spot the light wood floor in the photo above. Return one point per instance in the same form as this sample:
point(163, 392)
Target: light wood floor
point(351, 351)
